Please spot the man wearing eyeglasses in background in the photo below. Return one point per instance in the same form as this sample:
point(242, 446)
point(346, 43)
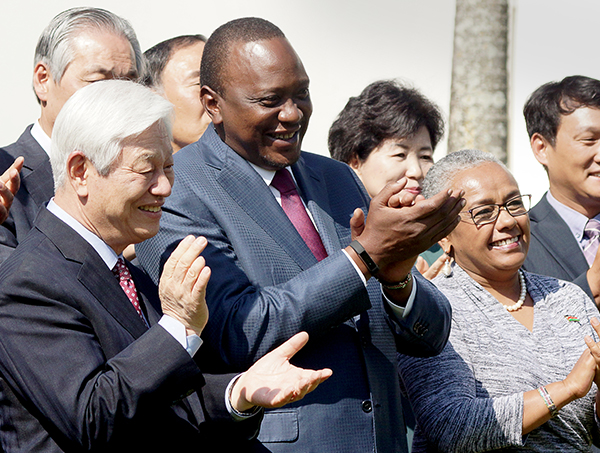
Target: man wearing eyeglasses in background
point(563, 122)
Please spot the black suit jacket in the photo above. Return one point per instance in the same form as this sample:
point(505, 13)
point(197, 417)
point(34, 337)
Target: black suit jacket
point(553, 250)
point(37, 187)
point(80, 369)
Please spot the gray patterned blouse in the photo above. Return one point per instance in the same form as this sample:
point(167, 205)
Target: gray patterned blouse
point(470, 397)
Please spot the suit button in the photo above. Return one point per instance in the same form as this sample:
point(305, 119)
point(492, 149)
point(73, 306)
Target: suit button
point(367, 406)
point(420, 329)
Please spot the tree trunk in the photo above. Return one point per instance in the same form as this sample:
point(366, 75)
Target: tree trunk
point(479, 95)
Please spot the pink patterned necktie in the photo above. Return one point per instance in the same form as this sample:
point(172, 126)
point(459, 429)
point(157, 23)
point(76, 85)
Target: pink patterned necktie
point(592, 233)
point(122, 273)
point(294, 208)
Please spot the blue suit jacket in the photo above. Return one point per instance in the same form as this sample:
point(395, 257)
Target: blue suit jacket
point(37, 187)
point(266, 285)
point(553, 250)
point(80, 369)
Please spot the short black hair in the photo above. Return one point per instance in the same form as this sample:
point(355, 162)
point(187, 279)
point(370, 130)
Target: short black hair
point(159, 55)
point(385, 109)
point(218, 47)
point(546, 105)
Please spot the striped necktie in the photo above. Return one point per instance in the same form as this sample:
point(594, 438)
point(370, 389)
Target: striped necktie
point(592, 234)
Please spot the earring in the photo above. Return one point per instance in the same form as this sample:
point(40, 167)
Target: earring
point(447, 269)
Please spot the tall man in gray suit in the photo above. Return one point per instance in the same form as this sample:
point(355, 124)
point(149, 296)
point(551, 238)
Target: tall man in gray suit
point(563, 122)
point(78, 47)
point(277, 220)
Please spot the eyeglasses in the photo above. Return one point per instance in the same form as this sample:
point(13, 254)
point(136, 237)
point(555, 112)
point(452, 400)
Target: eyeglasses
point(488, 213)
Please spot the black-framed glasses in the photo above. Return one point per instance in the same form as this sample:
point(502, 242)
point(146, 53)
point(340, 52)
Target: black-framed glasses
point(488, 213)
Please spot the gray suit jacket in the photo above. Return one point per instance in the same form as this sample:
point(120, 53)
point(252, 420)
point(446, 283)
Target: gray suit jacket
point(266, 285)
point(553, 250)
point(37, 187)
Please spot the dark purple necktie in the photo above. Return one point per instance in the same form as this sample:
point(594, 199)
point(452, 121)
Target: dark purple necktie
point(294, 208)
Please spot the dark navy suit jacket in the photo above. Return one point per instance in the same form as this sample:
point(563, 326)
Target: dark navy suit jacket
point(80, 369)
point(266, 285)
point(37, 187)
point(553, 250)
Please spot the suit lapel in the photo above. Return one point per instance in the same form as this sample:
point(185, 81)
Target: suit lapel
point(105, 288)
point(147, 294)
point(314, 193)
point(236, 177)
point(554, 234)
point(94, 275)
point(37, 176)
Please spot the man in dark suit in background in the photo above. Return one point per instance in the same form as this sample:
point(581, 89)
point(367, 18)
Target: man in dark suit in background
point(86, 359)
point(563, 122)
point(173, 71)
point(277, 221)
point(78, 47)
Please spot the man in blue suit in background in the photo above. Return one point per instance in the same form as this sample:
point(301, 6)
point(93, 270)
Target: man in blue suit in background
point(277, 221)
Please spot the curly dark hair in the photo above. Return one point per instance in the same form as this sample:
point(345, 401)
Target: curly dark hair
point(217, 48)
point(385, 109)
point(546, 105)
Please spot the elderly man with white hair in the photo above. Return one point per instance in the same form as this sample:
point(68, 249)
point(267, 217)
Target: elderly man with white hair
point(92, 356)
point(78, 47)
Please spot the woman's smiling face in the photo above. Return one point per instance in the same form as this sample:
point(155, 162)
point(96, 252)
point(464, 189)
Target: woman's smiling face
point(500, 247)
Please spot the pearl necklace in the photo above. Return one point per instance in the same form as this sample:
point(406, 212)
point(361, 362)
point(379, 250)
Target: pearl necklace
point(522, 296)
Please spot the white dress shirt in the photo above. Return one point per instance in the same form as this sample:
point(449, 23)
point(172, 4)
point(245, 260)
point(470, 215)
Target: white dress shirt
point(40, 136)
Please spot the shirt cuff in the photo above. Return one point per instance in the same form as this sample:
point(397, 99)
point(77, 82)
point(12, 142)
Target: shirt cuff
point(403, 312)
point(237, 416)
point(191, 343)
point(355, 266)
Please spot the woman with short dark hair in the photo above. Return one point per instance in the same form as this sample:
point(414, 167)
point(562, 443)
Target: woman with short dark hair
point(386, 133)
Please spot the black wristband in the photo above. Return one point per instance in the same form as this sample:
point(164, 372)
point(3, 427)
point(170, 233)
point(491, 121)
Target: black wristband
point(364, 256)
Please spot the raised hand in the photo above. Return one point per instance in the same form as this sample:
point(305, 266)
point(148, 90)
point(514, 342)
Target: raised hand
point(394, 236)
point(182, 286)
point(594, 348)
point(273, 381)
point(9, 185)
point(579, 380)
point(430, 272)
point(593, 278)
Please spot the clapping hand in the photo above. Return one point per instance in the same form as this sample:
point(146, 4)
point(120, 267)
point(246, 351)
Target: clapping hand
point(594, 348)
point(9, 185)
point(273, 381)
point(182, 287)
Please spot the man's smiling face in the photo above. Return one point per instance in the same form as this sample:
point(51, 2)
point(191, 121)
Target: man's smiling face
point(573, 162)
point(265, 105)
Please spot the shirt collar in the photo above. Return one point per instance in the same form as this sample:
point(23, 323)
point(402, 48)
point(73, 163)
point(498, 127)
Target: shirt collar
point(574, 220)
point(41, 137)
point(107, 254)
point(268, 175)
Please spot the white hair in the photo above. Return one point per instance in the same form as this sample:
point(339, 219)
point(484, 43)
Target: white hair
point(55, 44)
point(440, 176)
point(97, 120)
